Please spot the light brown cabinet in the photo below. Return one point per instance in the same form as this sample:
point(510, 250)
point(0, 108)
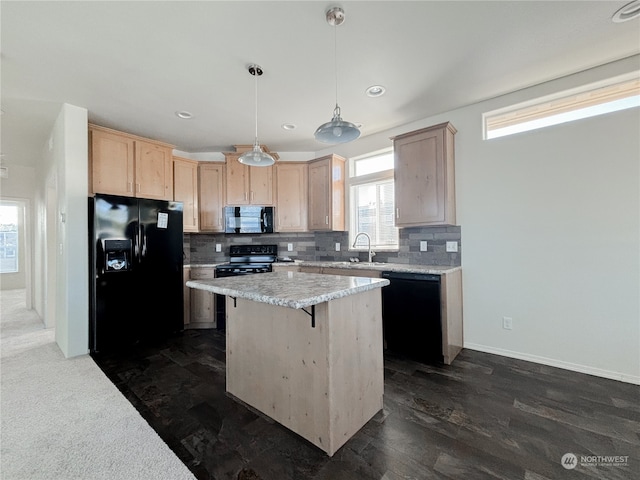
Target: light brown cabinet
point(123, 164)
point(186, 295)
point(202, 311)
point(291, 196)
point(326, 193)
point(247, 185)
point(185, 190)
point(425, 177)
point(211, 196)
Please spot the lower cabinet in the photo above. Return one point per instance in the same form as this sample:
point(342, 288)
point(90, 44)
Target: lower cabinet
point(186, 294)
point(202, 304)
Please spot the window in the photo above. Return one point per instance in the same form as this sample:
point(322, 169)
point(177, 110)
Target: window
point(596, 99)
point(8, 238)
point(371, 202)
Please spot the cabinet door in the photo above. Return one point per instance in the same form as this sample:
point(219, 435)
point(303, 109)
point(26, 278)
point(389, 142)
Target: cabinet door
point(186, 295)
point(424, 177)
point(261, 185)
point(185, 190)
point(237, 181)
point(326, 193)
point(320, 195)
point(291, 197)
point(112, 164)
point(203, 303)
point(154, 173)
point(202, 307)
point(211, 188)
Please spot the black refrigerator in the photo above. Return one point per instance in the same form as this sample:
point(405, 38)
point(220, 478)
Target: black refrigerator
point(136, 276)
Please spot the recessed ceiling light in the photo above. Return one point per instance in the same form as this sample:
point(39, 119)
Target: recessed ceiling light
point(288, 126)
point(628, 12)
point(375, 91)
point(184, 114)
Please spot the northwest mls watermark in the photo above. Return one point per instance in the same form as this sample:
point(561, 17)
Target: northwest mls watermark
point(571, 461)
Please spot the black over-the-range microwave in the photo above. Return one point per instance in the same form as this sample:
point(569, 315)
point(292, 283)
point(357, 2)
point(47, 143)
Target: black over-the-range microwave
point(248, 219)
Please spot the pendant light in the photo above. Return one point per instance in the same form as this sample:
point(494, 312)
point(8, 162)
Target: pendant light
point(256, 157)
point(337, 130)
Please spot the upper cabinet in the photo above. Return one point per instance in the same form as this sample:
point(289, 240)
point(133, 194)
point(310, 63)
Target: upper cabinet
point(185, 190)
point(248, 185)
point(326, 193)
point(123, 164)
point(211, 189)
point(424, 177)
point(291, 196)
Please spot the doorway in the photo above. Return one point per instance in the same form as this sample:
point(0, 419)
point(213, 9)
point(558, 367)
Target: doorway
point(14, 246)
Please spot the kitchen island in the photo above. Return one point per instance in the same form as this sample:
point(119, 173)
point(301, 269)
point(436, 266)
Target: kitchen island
point(305, 349)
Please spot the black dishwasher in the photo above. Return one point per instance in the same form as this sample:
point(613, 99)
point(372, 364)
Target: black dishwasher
point(411, 316)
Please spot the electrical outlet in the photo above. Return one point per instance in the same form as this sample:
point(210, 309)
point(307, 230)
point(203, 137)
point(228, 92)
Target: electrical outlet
point(289, 247)
point(507, 323)
point(337, 246)
point(423, 245)
point(452, 246)
point(218, 247)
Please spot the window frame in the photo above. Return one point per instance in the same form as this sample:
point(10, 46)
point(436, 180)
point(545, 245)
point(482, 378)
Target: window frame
point(367, 179)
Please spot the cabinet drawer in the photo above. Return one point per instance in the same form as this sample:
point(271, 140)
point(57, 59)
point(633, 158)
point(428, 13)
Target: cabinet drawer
point(202, 273)
point(351, 272)
point(310, 269)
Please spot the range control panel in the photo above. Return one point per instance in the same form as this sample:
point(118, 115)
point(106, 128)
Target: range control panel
point(236, 250)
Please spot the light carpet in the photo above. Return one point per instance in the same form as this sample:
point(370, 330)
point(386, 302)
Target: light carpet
point(62, 419)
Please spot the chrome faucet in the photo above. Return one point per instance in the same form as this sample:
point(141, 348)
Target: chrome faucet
point(371, 254)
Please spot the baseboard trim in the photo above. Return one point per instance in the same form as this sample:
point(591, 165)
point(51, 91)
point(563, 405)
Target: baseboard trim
point(574, 367)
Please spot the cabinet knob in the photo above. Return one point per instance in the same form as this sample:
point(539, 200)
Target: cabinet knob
point(326, 220)
point(397, 213)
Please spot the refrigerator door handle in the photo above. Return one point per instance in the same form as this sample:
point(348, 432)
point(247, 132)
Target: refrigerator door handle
point(143, 253)
point(136, 245)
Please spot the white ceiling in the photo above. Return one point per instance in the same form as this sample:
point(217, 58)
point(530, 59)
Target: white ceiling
point(132, 65)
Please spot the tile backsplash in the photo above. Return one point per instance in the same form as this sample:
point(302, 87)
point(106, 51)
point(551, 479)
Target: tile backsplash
point(200, 248)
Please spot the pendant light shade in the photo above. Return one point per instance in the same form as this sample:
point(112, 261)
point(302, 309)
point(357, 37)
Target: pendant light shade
point(256, 157)
point(337, 130)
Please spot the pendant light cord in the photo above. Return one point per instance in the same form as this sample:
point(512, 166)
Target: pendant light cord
point(335, 58)
point(256, 99)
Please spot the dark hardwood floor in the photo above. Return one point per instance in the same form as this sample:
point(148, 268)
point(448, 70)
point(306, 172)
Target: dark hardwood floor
point(484, 417)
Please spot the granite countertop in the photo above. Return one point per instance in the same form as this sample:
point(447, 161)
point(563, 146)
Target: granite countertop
point(289, 289)
point(377, 266)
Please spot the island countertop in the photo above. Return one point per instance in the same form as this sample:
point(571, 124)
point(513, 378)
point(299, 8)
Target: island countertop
point(289, 289)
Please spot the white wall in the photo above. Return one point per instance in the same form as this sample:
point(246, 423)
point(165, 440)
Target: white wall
point(550, 233)
point(66, 159)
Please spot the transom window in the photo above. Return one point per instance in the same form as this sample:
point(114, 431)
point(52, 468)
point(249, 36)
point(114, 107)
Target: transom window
point(612, 95)
point(371, 202)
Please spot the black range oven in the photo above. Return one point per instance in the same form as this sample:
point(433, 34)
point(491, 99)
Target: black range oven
point(243, 260)
point(248, 259)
